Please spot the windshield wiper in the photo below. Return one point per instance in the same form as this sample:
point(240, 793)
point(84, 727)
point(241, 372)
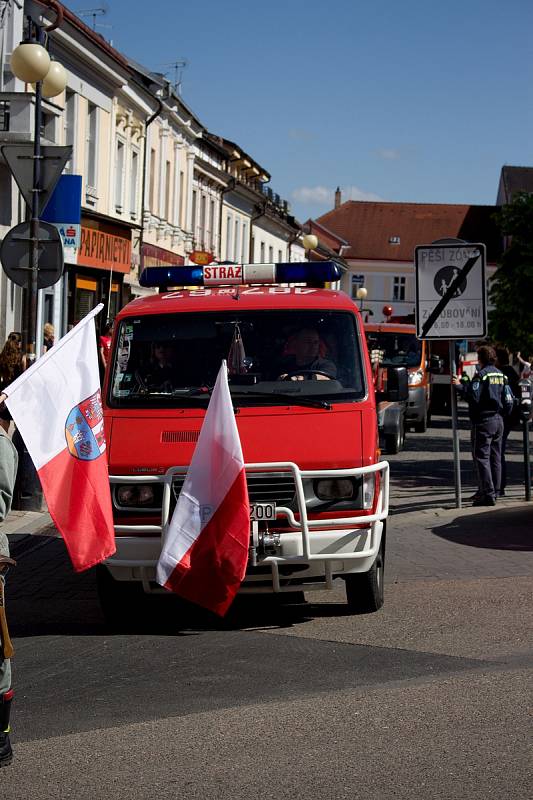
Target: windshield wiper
point(285, 396)
point(193, 391)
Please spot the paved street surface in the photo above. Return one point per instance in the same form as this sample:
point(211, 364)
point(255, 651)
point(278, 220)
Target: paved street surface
point(427, 698)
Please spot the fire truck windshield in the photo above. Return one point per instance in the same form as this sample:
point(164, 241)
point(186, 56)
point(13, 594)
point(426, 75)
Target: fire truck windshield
point(395, 349)
point(273, 356)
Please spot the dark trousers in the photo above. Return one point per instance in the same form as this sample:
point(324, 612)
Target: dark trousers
point(507, 427)
point(487, 439)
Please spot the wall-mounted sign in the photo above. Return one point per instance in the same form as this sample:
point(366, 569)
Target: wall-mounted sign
point(63, 211)
point(201, 257)
point(109, 251)
point(153, 256)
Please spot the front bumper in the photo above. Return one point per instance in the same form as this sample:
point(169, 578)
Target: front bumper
point(311, 552)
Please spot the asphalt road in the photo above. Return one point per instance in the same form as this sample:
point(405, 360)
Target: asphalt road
point(427, 698)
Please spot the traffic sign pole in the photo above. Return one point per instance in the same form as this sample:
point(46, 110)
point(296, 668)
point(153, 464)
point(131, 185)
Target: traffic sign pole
point(455, 427)
point(34, 226)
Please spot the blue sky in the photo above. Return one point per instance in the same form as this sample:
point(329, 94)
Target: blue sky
point(393, 100)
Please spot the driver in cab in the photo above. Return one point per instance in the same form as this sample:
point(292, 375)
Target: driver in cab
point(303, 358)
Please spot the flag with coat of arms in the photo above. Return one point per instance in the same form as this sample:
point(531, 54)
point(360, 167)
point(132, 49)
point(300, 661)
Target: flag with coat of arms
point(57, 408)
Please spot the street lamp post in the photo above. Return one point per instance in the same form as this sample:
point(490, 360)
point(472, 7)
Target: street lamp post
point(31, 63)
point(361, 296)
point(310, 242)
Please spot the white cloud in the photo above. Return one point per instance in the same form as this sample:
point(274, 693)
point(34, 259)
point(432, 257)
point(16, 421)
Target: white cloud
point(324, 196)
point(313, 195)
point(388, 153)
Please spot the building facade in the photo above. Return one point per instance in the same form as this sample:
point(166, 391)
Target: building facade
point(381, 239)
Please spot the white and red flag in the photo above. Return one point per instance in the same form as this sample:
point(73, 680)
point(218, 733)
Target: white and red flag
point(57, 407)
point(205, 550)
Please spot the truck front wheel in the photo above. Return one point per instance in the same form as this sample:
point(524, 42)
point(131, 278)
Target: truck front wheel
point(394, 441)
point(120, 601)
point(365, 590)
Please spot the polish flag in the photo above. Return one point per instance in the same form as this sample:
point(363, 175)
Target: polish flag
point(205, 549)
point(57, 407)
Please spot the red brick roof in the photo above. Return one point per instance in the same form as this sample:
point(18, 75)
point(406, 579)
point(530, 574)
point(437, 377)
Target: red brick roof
point(371, 228)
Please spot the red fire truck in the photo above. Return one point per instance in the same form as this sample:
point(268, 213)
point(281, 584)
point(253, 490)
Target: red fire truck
point(301, 386)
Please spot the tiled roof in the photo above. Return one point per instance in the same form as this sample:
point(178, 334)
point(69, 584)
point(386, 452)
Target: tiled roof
point(391, 231)
point(513, 180)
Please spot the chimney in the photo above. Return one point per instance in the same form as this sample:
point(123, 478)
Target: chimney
point(338, 200)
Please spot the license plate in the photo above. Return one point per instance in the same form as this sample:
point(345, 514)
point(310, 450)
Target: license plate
point(262, 512)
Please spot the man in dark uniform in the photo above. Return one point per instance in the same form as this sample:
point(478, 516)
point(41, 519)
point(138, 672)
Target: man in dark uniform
point(486, 398)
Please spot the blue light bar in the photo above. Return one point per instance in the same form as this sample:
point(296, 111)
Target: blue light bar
point(238, 274)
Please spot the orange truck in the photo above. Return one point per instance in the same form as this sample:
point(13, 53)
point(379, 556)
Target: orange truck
point(393, 347)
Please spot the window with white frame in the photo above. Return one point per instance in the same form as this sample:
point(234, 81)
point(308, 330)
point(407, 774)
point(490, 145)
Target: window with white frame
point(398, 289)
point(280, 256)
point(237, 247)
point(182, 200)
point(48, 127)
point(357, 282)
point(229, 228)
point(168, 190)
point(244, 254)
point(202, 231)
point(262, 253)
point(91, 134)
point(270, 254)
point(134, 179)
point(211, 242)
point(193, 214)
point(120, 154)
point(151, 194)
point(70, 126)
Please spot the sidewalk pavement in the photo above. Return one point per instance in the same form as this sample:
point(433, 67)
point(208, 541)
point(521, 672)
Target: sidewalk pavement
point(36, 523)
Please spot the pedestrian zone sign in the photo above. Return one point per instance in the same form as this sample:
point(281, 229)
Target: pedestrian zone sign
point(451, 294)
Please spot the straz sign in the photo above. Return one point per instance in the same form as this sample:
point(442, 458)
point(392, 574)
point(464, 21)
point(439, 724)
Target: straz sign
point(230, 274)
point(223, 273)
point(451, 291)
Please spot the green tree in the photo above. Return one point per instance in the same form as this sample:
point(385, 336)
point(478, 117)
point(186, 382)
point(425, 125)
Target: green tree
point(511, 292)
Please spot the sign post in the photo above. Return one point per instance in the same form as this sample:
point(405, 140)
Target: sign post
point(451, 303)
point(36, 170)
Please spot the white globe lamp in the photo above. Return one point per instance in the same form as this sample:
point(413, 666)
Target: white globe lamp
point(55, 80)
point(30, 62)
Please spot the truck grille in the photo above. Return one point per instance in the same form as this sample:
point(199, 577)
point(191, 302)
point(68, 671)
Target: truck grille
point(263, 487)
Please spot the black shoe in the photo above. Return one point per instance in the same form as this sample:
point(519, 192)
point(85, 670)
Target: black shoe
point(484, 501)
point(476, 496)
point(501, 493)
point(6, 753)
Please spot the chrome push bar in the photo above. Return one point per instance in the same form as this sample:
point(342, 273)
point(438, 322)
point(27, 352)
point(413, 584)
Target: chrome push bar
point(304, 525)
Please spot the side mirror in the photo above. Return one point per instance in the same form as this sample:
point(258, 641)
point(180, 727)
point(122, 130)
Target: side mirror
point(397, 384)
point(435, 364)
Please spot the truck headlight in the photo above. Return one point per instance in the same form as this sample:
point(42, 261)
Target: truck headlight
point(415, 377)
point(135, 495)
point(369, 488)
point(335, 489)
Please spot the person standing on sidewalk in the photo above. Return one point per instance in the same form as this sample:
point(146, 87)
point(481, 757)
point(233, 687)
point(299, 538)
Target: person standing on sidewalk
point(488, 403)
point(513, 419)
point(8, 470)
